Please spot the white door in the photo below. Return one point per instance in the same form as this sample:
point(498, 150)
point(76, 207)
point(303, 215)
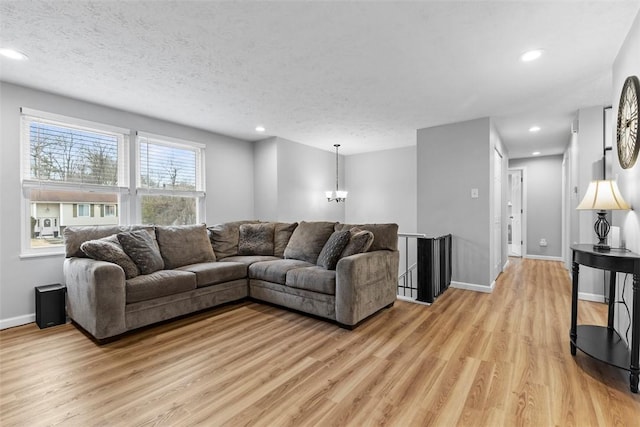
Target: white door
point(514, 209)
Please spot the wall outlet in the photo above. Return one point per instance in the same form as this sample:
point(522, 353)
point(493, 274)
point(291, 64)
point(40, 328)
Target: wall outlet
point(543, 242)
point(474, 193)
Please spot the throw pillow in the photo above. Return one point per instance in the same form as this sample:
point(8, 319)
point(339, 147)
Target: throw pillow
point(385, 236)
point(224, 238)
point(330, 253)
point(281, 236)
point(143, 250)
point(183, 245)
point(109, 249)
point(307, 240)
point(359, 242)
point(256, 239)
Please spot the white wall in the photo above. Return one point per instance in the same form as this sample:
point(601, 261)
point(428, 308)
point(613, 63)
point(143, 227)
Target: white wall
point(229, 181)
point(451, 160)
point(544, 203)
point(627, 63)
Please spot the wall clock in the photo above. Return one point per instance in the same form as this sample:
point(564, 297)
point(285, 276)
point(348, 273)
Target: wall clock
point(627, 135)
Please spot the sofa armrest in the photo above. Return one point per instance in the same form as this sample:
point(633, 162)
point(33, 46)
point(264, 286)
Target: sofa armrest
point(365, 283)
point(96, 296)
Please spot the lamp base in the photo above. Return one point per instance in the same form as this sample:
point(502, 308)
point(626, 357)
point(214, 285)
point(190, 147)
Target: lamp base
point(601, 247)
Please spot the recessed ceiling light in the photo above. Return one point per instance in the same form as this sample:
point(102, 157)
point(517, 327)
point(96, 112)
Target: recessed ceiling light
point(534, 129)
point(536, 153)
point(531, 55)
point(13, 54)
point(260, 129)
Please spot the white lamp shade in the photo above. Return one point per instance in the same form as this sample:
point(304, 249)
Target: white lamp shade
point(604, 196)
point(329, 194)
point(341, 194)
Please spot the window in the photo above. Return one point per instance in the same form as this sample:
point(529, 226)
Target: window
point(83, 210)
point(70, 169)
point(109, 210)
point(170, 182)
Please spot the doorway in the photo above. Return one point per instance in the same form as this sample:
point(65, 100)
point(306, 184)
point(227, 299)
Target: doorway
point(515, 212)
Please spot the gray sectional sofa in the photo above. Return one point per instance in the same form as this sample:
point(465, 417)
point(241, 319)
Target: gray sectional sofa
point(120, 278)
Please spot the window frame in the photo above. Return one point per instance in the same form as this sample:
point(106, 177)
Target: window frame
point(122, 187)
point(199, 194)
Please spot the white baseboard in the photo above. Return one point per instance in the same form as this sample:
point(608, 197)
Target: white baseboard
point(544, 257)
point(17, 321)
point(504, 267)
point(415, 301)
point(590, 297)
point(473, 286)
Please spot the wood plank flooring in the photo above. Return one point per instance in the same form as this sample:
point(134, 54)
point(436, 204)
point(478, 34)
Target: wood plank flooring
point(470, 359)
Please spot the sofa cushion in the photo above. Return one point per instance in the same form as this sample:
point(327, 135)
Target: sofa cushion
point(109, 249)
point(224, 238)
point(143, 249)
point(359, 242)
point(331, 251)
point(275, 271)
point(249, 259)
point(307, 240)
point(159, 284)
point(385, 236)
point(281, 236)
point(256, 239)
point(315, 279)
point(76, 235)
point(211, 273)
point(183, 245)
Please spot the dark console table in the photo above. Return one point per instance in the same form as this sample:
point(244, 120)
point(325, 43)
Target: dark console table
point(599, 342)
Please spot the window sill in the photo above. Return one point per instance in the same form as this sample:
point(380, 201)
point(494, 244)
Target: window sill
point(41, 254)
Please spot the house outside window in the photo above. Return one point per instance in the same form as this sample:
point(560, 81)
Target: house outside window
point(69, 168)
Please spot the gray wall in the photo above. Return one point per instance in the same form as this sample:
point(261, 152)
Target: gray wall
point(544, 203)
point(229, 181)
point(265, 179)
point(382, 188)
point(291, 180)
point(627, 63)
point(451, 160)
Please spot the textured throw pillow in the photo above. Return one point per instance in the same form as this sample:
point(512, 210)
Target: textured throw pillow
point(183, 245)
point(359, 242)
point(281, 236)
point(224, 238)
point(330, 253)
point(109, 249)
point(143, 250)
point(385, 236)
point(256, 239)
point(307, 240)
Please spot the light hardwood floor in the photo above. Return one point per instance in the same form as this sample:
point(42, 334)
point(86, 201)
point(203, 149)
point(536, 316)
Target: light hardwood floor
point(469, 359)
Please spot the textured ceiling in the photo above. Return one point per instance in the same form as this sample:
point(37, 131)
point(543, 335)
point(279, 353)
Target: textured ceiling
point(362, 74)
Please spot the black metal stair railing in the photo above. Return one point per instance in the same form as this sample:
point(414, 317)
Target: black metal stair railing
point(433, 268)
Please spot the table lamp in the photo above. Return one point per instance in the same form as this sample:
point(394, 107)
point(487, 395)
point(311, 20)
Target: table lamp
point(602, 196)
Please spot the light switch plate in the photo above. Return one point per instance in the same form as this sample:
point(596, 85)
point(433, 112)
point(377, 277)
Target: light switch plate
point(474, 193)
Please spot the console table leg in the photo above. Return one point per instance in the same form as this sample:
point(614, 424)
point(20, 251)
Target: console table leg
point(574, 307)
point(635, 334)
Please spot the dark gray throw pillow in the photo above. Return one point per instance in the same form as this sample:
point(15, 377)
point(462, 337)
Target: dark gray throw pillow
point(256, 239)
point(143, 250)
point(281, 236)
point(330, 253)
point(109, 249)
